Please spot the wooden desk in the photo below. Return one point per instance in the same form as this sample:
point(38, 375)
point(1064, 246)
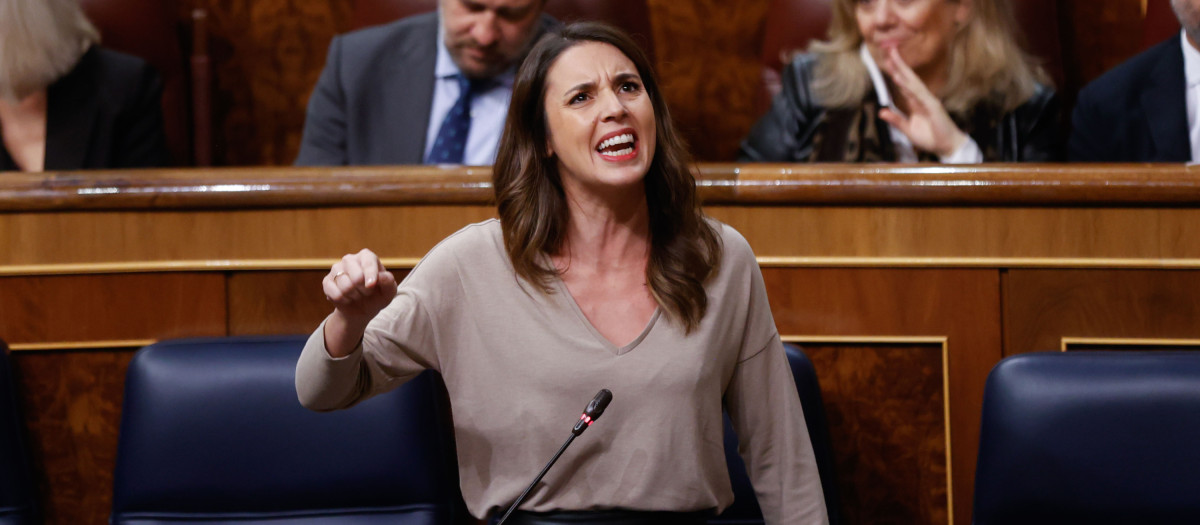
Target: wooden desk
point(904, 284)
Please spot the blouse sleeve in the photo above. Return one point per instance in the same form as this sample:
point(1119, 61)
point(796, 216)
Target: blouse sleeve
point(399, 343)
point(765, 409)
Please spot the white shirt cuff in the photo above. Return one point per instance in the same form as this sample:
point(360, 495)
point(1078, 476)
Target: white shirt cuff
point(967, 153)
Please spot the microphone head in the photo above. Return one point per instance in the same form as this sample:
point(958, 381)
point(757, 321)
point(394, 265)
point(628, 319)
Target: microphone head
point(598, 404)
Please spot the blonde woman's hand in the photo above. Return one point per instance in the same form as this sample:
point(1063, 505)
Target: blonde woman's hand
point(927, 124)
point(359, 288)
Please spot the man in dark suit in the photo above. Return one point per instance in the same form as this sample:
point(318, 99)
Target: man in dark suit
point(1145, 110)
point(429, 88)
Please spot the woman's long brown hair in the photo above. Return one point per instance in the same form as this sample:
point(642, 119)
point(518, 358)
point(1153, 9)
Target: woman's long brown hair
point(684, 248)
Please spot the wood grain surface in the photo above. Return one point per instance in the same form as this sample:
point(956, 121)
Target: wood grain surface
point(1042, 307)
point(72, 407)
point(960, 305)
point(885, 407)
point(81, 308)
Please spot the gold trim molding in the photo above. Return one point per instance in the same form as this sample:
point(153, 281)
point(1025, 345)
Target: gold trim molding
point(220, 265)
point(1066, 342)
point(80, 345)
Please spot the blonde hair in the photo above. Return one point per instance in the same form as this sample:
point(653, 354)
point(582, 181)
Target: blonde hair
point(40, 41)
point(986, 64)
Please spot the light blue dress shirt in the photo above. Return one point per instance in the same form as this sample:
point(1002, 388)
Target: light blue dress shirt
point(488, 109)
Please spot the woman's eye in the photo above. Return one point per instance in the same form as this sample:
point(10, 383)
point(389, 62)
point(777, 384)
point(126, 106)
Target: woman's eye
point(631, 87)
point(581, 97)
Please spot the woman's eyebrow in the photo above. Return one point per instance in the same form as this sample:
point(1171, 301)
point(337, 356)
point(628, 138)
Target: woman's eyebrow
point(580, 87)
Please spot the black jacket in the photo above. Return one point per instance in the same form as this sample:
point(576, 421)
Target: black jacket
point(798, 129)
point(1135, 113)
point(105, 113)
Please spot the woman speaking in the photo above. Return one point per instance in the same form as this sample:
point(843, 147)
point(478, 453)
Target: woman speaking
point(601, 272)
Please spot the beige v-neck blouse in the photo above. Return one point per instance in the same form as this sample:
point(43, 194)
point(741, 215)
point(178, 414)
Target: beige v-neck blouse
point(520, 365)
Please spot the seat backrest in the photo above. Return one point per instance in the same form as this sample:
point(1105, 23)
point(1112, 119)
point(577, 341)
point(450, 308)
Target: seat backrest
point(632, 16)
point(1090, 437)
point(745, 509)
point(149, 30)
point(212, 432)
point(16, 487)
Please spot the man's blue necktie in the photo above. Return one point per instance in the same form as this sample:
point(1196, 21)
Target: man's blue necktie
point(451, 139)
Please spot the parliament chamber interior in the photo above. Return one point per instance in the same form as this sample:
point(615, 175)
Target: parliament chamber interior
point(903, 284)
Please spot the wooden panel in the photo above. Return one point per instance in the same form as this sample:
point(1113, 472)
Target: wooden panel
point(324, 233)
point(708, 63)
point(946, 232)
point(266, 56)
point(1097, 35)
point(929, 236)
point(276, 302)
point(1043, 306)
point(887, 423)
point(279, 302)
point(110, 307)
point(961, 305)
point(72, 408)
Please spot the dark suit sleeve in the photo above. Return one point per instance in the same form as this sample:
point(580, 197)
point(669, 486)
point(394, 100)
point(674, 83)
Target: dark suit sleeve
point(1088, 142)
point(1041, 128)
point(324, 142)
point(141, 139)
point(784, 134)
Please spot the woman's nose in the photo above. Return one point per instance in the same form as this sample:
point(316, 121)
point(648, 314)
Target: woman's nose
point(611, 106)
point(883, 13)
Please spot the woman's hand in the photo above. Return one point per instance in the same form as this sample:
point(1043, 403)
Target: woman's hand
point(359, 288)
point(927, 124)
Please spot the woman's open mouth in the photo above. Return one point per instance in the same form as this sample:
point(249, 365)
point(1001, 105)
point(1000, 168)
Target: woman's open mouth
point(618, 146)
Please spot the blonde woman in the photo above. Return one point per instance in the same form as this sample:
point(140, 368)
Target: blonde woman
point(66, 103)
point(912, 80)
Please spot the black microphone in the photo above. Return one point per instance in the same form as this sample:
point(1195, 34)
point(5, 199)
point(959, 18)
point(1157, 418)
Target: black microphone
point(590, 415)
point(593, 411)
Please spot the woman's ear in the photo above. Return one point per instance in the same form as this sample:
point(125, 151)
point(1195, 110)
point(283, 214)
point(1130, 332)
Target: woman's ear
point(549, 147)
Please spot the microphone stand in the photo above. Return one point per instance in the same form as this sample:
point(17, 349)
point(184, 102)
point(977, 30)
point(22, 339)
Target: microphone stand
point(537, 479)
point(590, 415)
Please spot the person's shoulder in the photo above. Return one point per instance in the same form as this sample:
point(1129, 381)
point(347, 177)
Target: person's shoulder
point(735, 249)
point(1043, 96)
point(1127, 79)
point(112, 74)
point(802, 66)
point(473, 242)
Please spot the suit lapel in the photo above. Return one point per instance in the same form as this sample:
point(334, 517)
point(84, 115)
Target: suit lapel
point(71, 111)
point(1165, 104)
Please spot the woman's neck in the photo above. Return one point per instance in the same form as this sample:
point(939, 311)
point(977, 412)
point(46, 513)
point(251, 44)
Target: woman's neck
point(605, 231)
point(23, 130)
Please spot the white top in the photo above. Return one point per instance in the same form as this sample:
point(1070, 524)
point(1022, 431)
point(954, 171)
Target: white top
point(489, 108)
point(1191, 73)
point(967, 153)
point(520, 365)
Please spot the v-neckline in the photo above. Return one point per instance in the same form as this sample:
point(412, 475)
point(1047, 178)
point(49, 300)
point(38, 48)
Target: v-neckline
point(562, 289)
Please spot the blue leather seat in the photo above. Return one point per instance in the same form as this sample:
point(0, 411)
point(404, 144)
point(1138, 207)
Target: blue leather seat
point(16, 487)
point(212, 432)
point(1090, 437)
point(745, 509)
